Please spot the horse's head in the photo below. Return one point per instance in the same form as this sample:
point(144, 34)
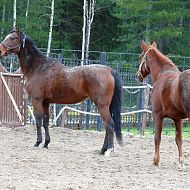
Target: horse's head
point(144, 67)
point(11, 43)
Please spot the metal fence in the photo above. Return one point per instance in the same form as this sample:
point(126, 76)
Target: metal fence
point(134, 98)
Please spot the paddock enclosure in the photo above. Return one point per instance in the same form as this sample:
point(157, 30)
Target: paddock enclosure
point(136, 110)
point(72, 162)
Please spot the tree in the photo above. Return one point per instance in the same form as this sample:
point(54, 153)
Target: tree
point(3, 16)
point(88, 7)
point(50, 27)
point(26, 15)
point(166, 18)
point(14, 14)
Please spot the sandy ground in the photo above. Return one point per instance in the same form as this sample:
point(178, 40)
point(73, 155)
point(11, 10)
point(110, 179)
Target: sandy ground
point(72, 162)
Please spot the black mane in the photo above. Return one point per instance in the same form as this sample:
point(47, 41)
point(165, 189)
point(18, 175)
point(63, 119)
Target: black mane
point(27, 41)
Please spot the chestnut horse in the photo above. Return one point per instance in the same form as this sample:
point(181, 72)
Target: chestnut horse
point(171, 94)
point(48, 81)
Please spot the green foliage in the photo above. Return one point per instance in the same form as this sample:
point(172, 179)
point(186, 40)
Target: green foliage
point(118, 25)
point(165, 21)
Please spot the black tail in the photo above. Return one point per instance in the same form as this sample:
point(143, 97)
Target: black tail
point(115, 106)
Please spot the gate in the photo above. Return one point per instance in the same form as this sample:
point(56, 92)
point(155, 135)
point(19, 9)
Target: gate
point(13, 103)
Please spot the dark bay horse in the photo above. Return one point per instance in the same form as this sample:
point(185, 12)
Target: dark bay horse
point(171, 93)
point(48, 81)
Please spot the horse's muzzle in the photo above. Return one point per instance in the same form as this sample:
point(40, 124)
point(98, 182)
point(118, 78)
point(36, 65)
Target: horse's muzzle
point(3, 51)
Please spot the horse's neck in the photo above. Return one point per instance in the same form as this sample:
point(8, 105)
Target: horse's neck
point(160, 64)
point(30, 59)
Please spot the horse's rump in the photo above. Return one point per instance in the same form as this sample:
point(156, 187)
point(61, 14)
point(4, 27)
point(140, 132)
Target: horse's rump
point(184, 87)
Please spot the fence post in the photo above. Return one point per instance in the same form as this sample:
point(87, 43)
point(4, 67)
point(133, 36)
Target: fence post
point(63, 117)
point(144, 120)
point(87, 115)
point(139, 107)
point(57, 110)
point(103, 58)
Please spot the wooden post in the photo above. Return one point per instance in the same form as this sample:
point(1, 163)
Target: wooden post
point(144, 120)
point(63, 116)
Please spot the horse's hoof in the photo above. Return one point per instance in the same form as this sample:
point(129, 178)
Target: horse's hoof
point(155, 164)
point(37, 144)
point(45, 145)
point(181, 165)
point(107, 154)
point(102, 151)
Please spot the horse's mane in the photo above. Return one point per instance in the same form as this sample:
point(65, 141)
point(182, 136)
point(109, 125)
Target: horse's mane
point(163, 59)
point(33, 47)
point(31, 44)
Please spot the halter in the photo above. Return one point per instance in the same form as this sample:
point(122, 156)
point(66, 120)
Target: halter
point(9, 49)
point(144, 61)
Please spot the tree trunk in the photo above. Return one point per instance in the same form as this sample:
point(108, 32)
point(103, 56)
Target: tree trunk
point(50, 28)
point(88, 16)
point(3, 17)
point(14, 14)
point(148, 21)
point(89, 23)
point(84, 32)
point(26, 15)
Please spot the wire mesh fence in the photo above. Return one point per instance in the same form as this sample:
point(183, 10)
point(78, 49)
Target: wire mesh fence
point(133, 95)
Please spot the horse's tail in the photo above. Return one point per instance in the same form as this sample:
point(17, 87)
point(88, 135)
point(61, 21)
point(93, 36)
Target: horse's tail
point(115, 106)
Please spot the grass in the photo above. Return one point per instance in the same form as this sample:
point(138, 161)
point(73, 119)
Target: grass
point(167, 131)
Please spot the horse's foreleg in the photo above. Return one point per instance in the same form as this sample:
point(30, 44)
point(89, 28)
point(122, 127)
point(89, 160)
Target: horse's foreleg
point(38, 114)
point(157, 138)
point(38, 118)
point(178, 139)
point(46, 124)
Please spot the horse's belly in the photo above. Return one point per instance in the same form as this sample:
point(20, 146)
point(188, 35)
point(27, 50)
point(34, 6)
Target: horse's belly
point(73, 99)
point(175, 113)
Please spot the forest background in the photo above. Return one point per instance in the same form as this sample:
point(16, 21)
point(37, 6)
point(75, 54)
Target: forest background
point(118, 25)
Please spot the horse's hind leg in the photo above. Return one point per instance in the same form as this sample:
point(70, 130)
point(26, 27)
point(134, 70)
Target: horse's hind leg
point(105, 145)
point(157, 137)
point(109, 128)
point(178, 139)
point(46, 124)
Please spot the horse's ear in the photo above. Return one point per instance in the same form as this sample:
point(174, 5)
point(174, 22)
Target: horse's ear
point(16, 28)
point(154, 44)
point(143, 45)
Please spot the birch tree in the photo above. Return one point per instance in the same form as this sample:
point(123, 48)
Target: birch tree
point(148, 21)
point(88, 16)
point(3, 17)
point(83, 32)
point(26, 15)
point(14, 14)
point(50, 28)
